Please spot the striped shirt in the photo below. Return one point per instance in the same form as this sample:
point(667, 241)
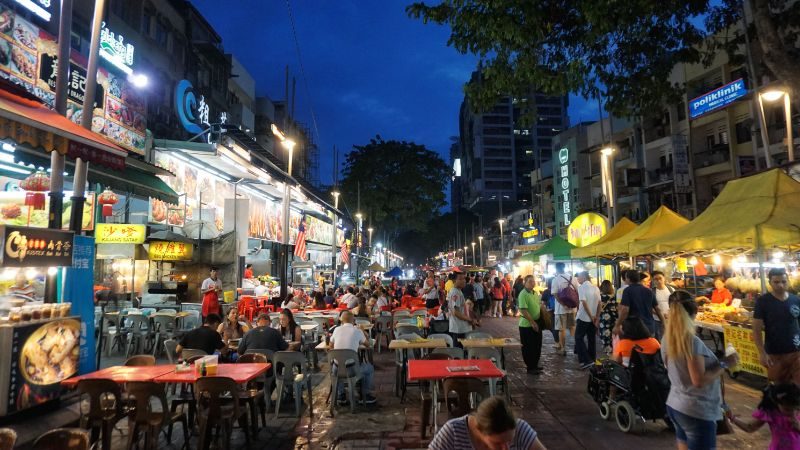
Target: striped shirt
point(454, 435)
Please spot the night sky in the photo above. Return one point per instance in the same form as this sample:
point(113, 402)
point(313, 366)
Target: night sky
point(370, 69)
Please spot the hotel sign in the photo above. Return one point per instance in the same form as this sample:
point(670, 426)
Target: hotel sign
point(717, 98)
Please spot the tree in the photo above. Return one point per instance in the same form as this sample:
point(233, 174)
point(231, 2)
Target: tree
point(440, 235)
point(622, 51)
point(401, 184)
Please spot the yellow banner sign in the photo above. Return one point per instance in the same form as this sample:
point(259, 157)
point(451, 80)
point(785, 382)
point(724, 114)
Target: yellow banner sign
point(170, 251)
point(530, 234)
point(119, 233)
point(742, 341)
point(586, 229)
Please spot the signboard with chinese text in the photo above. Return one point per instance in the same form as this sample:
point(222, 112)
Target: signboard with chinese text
point(170, 251)
point(119, 233)
point(35, 247)
point(78, 282)
point(742, 341)
point(717, 98)
point(586, 229)
point(28, 59)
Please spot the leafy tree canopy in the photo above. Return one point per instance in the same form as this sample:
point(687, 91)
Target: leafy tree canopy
point(402, 184)
point(622, 51)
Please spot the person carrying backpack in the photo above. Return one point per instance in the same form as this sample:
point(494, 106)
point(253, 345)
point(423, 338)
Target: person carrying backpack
point(564, 289)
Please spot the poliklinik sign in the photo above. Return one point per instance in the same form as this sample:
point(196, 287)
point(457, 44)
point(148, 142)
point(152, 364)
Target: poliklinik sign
point(717, 98)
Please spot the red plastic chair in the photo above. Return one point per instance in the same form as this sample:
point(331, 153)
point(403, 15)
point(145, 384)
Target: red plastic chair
point(247, 307)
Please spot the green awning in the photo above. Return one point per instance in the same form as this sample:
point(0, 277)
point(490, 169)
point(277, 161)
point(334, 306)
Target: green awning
point(557, 247)
point(130, 180)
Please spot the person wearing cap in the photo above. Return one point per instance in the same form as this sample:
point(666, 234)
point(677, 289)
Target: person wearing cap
point(262, 337)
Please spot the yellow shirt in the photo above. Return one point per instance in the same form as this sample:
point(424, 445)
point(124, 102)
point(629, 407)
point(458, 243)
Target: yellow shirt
point(448, 286)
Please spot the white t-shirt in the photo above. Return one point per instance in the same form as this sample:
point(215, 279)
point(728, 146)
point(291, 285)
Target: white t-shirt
point(208, 283)
point(456, 302)
point(261, 291)
point(347, 337)
point(350, 300)
point(429, 292)
point(591, 294)
point(560, 281)
point(619, 292)
point(662, 297)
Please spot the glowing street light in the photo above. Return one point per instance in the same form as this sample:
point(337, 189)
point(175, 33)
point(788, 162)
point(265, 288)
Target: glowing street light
point(607, 179)
point(502, 244)
point(774, 94)
point(473, 254)
point(480, 248)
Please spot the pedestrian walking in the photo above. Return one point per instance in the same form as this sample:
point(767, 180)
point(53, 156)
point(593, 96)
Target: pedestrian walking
point(508, 307)
point(565, 317)
point(661, 291)
point(638, 301)
point(694, 403)
point(608, 315)
point(460, 323)
point(478, 290)
point(530, 326)
point(587, 320)
point(498, 294)
point(780, 409)
point(776, 314)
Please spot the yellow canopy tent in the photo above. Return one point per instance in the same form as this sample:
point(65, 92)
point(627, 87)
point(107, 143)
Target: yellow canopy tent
point(623, 227)
point(756, 212)
point(661, 222)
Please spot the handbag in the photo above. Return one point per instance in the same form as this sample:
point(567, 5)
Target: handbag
point(545, 318)
point(723, 425)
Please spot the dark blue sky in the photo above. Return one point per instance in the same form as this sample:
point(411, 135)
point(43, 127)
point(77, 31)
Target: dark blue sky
point(370, 69)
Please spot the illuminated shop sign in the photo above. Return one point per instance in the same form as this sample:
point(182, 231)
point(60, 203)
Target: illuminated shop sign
point(717, 98)
point(586, 229)
point(563, 160)
point(119, 233)
point(114, 50)
point(39, 7)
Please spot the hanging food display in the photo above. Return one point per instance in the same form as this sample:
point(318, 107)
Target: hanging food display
point(36, 185)
point(108, 199)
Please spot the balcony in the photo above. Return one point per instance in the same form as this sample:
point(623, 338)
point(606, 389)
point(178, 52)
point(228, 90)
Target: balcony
point(659, 175)
point(718, 154)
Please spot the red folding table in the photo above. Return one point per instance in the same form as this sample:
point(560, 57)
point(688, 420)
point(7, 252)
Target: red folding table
point(122, 374)
point(435, 370)
point(240, 373)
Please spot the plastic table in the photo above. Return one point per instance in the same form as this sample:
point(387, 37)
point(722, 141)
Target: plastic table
point(122, 374)
point(435, 370)
point(240, 373)
point(402, 346)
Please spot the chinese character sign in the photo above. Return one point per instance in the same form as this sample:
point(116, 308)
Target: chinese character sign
point(742, 341)
point(119, 233)
point(170, 251)
point(78, 289)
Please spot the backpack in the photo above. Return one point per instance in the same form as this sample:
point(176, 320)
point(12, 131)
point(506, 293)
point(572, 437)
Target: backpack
point(568, 296)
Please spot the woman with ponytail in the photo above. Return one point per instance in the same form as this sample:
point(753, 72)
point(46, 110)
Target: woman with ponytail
point(694, 403)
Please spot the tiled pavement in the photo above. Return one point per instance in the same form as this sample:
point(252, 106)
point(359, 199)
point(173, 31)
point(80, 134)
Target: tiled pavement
point(555, 403)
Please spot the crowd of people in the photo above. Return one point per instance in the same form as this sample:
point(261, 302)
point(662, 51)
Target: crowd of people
point(646, 313)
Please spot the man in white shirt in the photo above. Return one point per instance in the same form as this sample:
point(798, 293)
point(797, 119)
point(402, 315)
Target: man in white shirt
point(430, 292)
point(460, 323)
point(564, 317)
point(349, 298)
point(261, 290)
point(348, 337)
point(662, 291)
point(587, 321)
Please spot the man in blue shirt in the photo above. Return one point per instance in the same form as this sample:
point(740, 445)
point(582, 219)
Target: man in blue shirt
point(638, 301)
point(776, 314)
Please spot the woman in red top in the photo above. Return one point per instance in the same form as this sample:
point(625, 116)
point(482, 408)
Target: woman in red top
point(721, 294)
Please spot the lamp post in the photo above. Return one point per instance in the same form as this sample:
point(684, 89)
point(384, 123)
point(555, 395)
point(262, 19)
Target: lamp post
point(480, 248)
point(288, 144)
point(502, 244)
point(335, 195)
point(607, 173)
point(370, 230)
point(465, 254)
point(474, 263)
point(772, 95)
point(360, 218)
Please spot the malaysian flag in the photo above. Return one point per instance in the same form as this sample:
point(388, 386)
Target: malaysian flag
point(345, 253)
point(300, 242)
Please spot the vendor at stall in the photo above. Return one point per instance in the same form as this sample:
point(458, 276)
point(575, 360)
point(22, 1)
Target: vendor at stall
point(248, 271)
point(261, 290)
point(211, 290)
point(776, 314)
point(721, 294)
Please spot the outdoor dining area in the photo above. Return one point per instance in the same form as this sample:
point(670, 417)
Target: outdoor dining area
point(156, 392)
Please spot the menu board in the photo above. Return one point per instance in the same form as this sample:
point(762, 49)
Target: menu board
point(13, 210)
point(35, 247)
point(28, 58)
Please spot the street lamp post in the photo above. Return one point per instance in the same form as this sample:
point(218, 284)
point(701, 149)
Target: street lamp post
point(474, 263)
point(502, 244)
point(288, 144)
point(480, 248)
point(370, 230)
point(607, 173)
point(772, 95)
point(465, 254)
point(333, 245)
point(360, 218)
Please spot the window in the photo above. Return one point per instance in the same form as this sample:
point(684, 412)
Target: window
point(161, 33)
point(496, 120)
point(495, 131)
point(742, 131)
point(497, 141)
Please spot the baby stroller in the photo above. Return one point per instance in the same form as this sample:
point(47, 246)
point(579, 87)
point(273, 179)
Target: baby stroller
point(641, 390)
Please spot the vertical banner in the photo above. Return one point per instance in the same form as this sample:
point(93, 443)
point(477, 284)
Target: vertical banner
point(78, 289)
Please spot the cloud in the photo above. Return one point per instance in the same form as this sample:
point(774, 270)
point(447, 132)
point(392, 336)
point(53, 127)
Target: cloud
point(372, 106)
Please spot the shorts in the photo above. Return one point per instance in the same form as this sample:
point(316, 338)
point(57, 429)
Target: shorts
point(785, 368)
point(565, 321)
point(697, 434)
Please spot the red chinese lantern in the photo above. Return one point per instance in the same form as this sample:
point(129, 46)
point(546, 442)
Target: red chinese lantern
point(36, 184)
point(108, 199)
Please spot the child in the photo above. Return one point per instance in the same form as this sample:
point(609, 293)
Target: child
point(779, 408)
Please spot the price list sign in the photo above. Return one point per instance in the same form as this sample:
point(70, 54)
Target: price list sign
point(742, 341)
